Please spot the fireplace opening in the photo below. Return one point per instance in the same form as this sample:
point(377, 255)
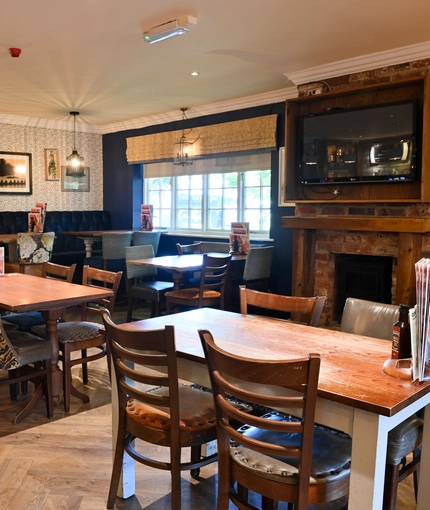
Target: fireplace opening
point(364, 277)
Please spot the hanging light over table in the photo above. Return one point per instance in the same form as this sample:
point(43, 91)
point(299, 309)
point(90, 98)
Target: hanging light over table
point(183, 150)
point(75, 162)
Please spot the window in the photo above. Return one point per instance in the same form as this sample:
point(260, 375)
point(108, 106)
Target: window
point(208, 202)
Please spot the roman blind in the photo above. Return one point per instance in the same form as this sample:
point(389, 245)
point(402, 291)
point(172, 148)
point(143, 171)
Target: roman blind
point(228, 137)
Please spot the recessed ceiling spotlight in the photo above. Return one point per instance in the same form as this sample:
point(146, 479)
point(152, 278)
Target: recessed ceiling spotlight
point(194, 73)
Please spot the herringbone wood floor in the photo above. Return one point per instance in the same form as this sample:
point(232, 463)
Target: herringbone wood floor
point(65, 463)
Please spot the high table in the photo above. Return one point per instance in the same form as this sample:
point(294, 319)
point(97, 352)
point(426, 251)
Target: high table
point(25, 293)
point(354, 394)
point(90, 237)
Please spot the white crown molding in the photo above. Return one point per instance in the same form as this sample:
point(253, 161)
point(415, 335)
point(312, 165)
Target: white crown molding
point(275, 96)
point(360, 64)
point(18, 120)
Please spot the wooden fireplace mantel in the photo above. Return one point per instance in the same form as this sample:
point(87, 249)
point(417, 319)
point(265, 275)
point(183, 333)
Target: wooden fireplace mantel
point(358, 223)
point(410, 231)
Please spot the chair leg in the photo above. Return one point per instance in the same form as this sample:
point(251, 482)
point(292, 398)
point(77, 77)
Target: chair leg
point(129, 309)
point(390, 487)
point(175, 461)
point(417, 460)
point(47, 387)
point(117, 463)
point(84, 367)
point(196, 453)
point(67, 377)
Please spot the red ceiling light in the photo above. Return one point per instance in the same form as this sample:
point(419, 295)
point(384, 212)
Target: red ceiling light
point(15, 52)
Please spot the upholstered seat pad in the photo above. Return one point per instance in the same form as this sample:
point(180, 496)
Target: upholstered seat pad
point(404, 439)
point(193, 293)
point(331, 454)
point(196, 411)
point(73, 331)
point(153, 290)
point(28, 347)
point(25, 321)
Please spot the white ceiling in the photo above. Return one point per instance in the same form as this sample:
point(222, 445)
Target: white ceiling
point(89, 55)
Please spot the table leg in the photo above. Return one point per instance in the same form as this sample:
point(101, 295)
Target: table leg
point(424, 485)
point(51, 320)
point(177, 278)
point(88, 247)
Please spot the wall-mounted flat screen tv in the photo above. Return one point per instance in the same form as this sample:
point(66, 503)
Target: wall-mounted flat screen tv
point(370, 144)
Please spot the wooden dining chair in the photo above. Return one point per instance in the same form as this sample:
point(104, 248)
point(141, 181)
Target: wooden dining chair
point(211, 289)
point(184, 249)
point(141, 282)
point(26, 320)
point(155, 408)
point(83, 335)
point(370, 318)
point(308, 308)
point(277, 456)
point(26, 357)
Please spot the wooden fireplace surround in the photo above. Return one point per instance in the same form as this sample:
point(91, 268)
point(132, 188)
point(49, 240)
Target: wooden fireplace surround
point(410, 231)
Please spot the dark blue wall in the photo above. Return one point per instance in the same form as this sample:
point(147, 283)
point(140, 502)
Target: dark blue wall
point(123, 185)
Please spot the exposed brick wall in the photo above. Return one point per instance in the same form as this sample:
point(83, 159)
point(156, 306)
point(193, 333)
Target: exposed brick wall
point(331, 243)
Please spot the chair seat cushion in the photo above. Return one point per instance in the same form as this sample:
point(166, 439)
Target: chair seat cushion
point(150, 290)
point(193, 293)
point(24, 321)
point(331, 453)
point(28, 347)
point(72, 331)
point(196, 411)
point(404, 439)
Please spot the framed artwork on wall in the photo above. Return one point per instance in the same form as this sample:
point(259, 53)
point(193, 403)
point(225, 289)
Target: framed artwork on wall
point(15, 172)
point(52, 165)
point(75, 180)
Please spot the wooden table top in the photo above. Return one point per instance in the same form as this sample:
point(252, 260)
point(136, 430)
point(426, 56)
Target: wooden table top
point(8, 238)
point(93, 233)
point(351, 365)
point(24, 293)
point(179, 263)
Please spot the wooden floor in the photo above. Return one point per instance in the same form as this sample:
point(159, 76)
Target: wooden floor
point(65, 463)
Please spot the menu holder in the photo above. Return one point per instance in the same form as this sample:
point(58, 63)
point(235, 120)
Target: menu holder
point(400, 368)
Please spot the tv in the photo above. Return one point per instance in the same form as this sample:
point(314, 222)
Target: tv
point(360, 145)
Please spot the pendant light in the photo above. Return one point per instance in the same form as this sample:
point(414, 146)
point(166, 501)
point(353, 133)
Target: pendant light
point(75, 162)
point(183, 149)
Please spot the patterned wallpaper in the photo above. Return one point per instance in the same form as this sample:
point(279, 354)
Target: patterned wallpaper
point(34, 140)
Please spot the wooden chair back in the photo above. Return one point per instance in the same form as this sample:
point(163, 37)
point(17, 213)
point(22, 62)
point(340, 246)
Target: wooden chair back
point(184, 249)
point(99, 278)
point(146, 373)
point(58, 271)
point(229, 375)
point(306, 310)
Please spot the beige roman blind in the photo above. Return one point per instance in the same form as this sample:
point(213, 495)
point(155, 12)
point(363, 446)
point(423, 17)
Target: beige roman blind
point(228, 137)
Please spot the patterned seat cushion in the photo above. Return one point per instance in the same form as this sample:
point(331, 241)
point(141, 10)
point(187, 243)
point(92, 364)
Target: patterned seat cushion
point(72, 331)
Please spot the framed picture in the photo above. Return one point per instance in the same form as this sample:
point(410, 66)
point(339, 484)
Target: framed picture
point(15, 172)
point(52, 165)
point(75, 180)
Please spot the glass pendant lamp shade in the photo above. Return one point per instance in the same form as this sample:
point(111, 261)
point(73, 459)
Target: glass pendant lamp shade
point(183, 150)
point(75, 162)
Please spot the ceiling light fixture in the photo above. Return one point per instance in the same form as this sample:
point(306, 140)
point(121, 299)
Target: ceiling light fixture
point(167, 30)
point(75, 162)
point(183, 149)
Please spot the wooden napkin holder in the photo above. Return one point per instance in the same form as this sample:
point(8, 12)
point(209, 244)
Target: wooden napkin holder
point(400, 368)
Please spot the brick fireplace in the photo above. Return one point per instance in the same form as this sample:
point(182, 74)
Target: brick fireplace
point(320, 238)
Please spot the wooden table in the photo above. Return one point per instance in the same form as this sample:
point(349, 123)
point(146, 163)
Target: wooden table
point(11, 240)
point(354, 395)
point(90, 237)
point(26, 293)
point(177, 265)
